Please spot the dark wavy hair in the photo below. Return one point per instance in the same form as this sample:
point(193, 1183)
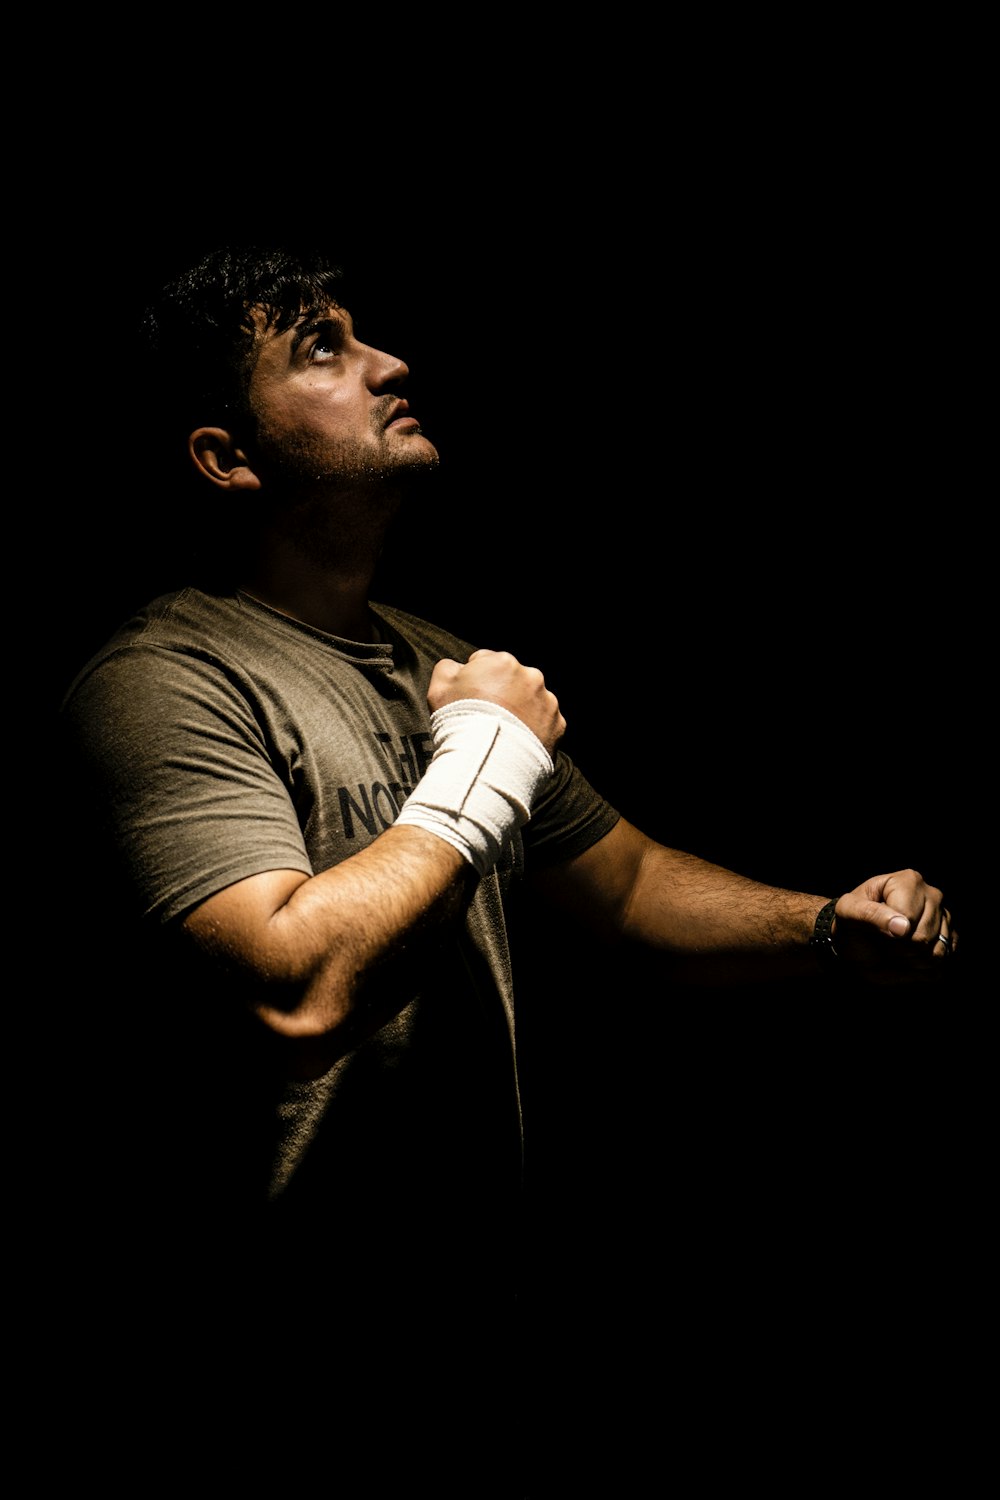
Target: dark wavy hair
point(200, 337)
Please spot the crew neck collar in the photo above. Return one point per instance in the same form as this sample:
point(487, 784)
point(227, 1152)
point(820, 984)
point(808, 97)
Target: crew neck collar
point(378, 649)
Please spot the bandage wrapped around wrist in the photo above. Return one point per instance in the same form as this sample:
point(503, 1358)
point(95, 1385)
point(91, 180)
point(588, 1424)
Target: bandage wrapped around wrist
point(482, 781)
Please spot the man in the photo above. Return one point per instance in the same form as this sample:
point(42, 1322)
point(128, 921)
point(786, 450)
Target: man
point(304, 816)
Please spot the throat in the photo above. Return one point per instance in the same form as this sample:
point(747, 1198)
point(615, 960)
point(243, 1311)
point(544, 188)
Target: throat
point(318, 578)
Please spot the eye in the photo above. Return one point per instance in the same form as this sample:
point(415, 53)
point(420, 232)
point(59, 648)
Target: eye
point(326, 346)
point(328, 343)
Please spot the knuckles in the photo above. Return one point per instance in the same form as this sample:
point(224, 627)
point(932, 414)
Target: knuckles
point(498, 675)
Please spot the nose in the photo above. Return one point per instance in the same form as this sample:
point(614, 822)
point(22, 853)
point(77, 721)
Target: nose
point(383, 369)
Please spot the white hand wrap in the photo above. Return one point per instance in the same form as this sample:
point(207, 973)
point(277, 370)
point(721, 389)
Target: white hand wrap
point(484, 774)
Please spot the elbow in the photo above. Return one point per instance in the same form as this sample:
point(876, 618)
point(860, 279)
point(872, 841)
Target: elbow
point(308, 1010)
point(296, 1025)
point(309, 1019)
point(323, 1025)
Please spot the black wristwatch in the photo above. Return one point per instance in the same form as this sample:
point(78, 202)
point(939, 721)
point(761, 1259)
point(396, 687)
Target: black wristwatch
point(822, 939)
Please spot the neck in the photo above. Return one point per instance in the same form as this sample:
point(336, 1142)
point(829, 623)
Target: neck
point(332, 599)
point(314, 556)
point(315, 561)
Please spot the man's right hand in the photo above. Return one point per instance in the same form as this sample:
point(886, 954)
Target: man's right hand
point(499, 677)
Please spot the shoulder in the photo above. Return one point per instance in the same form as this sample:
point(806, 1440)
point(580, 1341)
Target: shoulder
point(177, 651)
point(176, 634)
point(182, 618)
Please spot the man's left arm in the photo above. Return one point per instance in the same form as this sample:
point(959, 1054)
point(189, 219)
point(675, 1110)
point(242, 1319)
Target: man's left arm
point(715, 925)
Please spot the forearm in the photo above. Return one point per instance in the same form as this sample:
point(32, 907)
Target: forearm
point(713, 924)
point(706, 922)
point(709, 924)
point(322, 954)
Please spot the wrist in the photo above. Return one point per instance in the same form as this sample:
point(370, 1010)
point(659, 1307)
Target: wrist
point(822, 941)
point(483, 779)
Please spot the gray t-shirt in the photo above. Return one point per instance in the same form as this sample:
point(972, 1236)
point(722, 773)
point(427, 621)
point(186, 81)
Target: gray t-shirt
point(213, 738)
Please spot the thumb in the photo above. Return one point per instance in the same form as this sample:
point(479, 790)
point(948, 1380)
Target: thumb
point(855, 907)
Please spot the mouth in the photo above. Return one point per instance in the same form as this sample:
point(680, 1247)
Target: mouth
point(401, 420)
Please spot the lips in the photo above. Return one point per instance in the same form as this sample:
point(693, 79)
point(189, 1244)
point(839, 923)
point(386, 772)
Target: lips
point(399, 416)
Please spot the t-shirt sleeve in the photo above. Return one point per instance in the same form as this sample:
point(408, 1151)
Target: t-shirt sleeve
point(568, 818)
point(176, 766)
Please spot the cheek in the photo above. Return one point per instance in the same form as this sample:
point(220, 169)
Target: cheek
point(312, 435)
point(313, 419)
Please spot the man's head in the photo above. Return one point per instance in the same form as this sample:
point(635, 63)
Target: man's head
point(259, 371)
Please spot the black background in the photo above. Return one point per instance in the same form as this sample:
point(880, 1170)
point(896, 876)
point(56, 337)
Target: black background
point(706, 414)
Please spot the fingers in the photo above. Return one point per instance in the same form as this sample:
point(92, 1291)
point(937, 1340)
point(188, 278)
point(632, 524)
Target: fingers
point(923, 904)
point(445, 671)
point(945, 941)
point(903, 905)
point(857, 906)
point(501, 678)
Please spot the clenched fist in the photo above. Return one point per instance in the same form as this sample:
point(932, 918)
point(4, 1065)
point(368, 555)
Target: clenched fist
point(500, 677)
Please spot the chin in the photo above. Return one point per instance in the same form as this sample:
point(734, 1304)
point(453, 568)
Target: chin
point(418, 449)
point(426, 461)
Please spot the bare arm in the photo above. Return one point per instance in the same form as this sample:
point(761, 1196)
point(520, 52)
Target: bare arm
point(304, 946)
point(713, 924)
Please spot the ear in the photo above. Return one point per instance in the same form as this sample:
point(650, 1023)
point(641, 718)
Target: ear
point(219, 458)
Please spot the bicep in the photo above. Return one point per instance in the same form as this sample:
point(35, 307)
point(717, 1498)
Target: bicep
point(597, 886)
